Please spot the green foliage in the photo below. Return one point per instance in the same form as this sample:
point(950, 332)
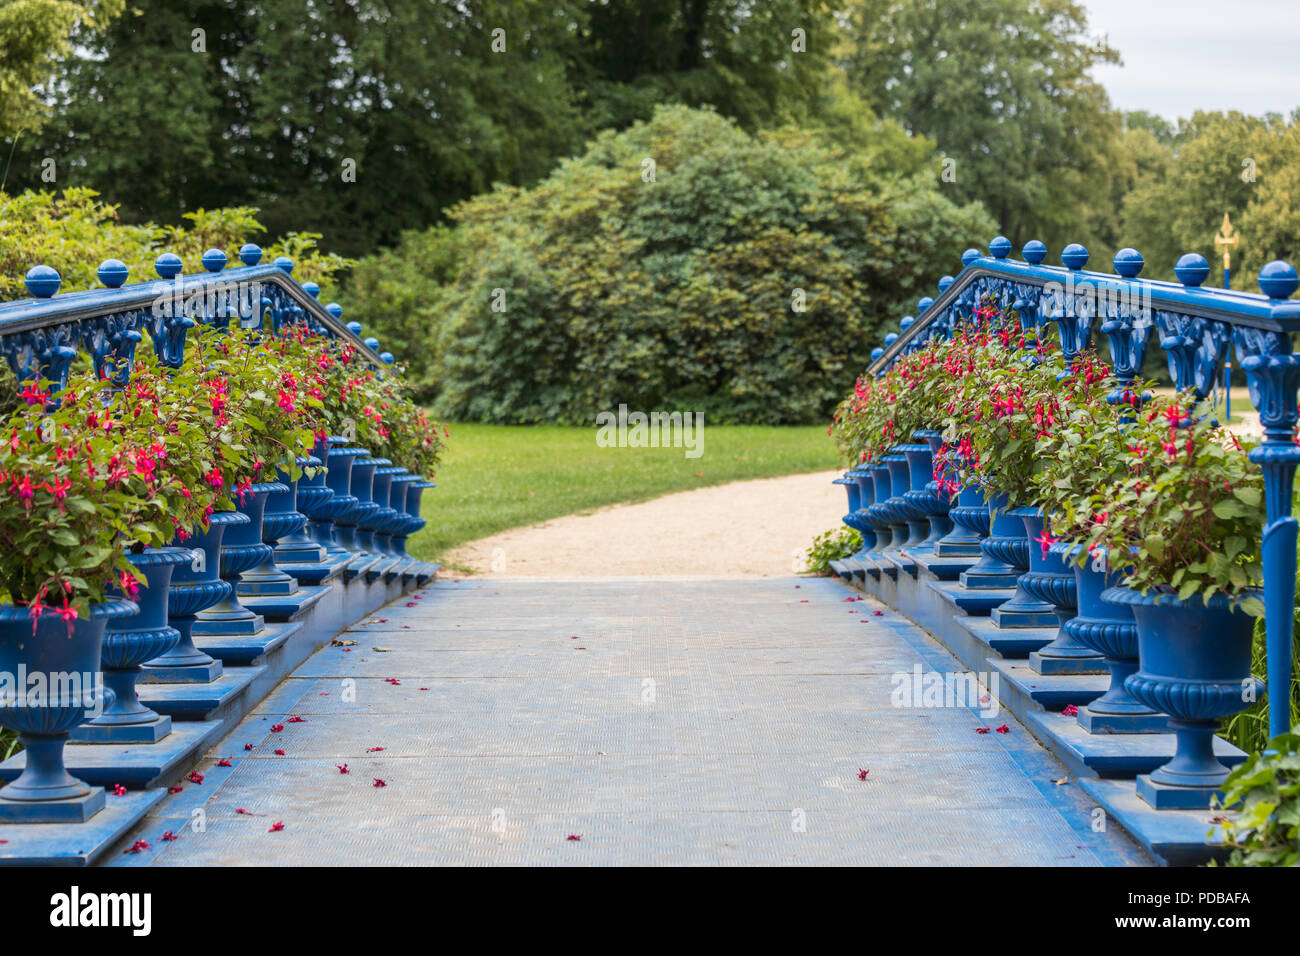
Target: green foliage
point(833, 545)
point(1248, 729)
point(33, 35)
point(675, 293)
point(285, 97)
point(1266, 791)
point(1005, 88)
point(73, 233)
point(1215, 163)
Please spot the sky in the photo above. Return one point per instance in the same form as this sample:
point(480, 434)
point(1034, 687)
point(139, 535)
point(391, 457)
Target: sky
point(1183, 55)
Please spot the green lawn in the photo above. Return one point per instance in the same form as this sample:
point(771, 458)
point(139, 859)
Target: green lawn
point(496, 477)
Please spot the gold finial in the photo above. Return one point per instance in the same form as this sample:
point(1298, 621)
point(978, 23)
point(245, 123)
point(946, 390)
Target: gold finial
point(1226, 240)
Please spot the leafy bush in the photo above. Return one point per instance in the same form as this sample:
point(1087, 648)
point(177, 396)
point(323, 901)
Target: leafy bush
point(744, 279)
point(1266, 789)
point(73, 233)
point(834, 545)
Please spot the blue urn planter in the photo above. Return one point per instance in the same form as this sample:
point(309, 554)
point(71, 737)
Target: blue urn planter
point(45, 792)
point(241, 550)
point(298, 547)
point(348, 526)
point(401, 524)
point(918, 526)
point(970, 525)
point(1050, 579)
point(1110, 630)
point(329, 527)
point(1195, 667)
point(1004, 552)
point(877, 511)
point(129, 642)
point(382, 520)
point(866, 497)
point(1023, 609)
point(280, 517)
point(195, 587)
point(897, 511)
point(923, 493)
point(414, 492)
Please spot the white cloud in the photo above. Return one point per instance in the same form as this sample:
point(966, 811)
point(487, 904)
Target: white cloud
point(1184, 55)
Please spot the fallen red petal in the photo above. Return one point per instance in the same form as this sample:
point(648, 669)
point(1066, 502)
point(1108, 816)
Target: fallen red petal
point(276, 827)
point(343, 768)
point(119, 790)
point(574, 836)
point(224, 762)
point(279, 753)
point(195, 777)
point(862, 774)
point(379, 783)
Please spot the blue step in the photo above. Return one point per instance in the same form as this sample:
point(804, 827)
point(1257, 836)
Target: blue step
point(81, 844)
point(1010, 642)
point(1173, 837)
point(246, 648)
point(284, 607)
point(971, 601)
point(198, 701)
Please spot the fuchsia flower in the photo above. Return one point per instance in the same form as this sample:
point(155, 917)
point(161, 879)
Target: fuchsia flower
point(130, 587)
point(214, 478)
point(1045, 540)
point(285, 401)
point(32, 395)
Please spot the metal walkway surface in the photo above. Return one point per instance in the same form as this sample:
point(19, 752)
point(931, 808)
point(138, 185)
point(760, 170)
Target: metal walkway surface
point(701, 721)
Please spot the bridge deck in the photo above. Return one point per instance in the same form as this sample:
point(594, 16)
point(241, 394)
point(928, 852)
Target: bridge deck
point(663, 721)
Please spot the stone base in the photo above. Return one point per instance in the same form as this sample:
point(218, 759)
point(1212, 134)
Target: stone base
point(135, 766)
point(275, 586)
point(945, 550)
point(985, 582)
point(1066, 665)
point(38, 844)
point(147, 733)
point(71, 810)
point(1123, 723)
point(1024, 619)
point(299, 554)
point(1163, 797)
point(187, 674)
point(242, 625)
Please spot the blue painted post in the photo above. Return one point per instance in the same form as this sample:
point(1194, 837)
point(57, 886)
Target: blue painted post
point(1273, 374)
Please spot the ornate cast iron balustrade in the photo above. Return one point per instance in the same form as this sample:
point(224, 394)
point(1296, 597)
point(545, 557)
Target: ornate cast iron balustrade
point(1196, 327)
point(41, 336)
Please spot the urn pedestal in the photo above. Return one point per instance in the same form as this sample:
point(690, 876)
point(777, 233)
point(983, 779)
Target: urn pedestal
point(1195, 667)
point(401, 524)
point(45, 792)
point(128, 643)
point(338, 478)
point(907, 506)
point(195, 587)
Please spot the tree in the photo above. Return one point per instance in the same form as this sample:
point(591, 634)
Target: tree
point(743, 275)
point(1004, 87)
point(33, 35)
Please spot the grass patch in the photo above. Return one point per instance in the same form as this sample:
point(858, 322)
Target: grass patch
point(496, 477)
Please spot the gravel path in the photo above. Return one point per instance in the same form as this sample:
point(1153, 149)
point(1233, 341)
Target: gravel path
point(744, 529)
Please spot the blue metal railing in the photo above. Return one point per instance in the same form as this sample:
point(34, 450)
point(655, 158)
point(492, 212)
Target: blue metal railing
point(1196, 327)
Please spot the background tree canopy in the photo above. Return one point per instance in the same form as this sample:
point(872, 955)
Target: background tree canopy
point(455, 147)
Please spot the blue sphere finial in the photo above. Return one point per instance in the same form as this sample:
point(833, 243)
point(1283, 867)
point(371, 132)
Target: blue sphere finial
point(386, 358)
point(334, 309)
point(42, 282)
point(284, 264)
point(214, 260)
point(969, 256)
point(944, 282)
point(112, 273)
point(876, 353)
point(906, 322)
point(250, 253)
point(1074, 257)
point(372, 343)
point(1034, 252)
point(1128, 263)
point(1278, 279)
point(168, 265)
point(890, 339)
point(1000, 247)
point(312, 289)
point(354, 327)
point(924, 303)
point(1192, 269)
